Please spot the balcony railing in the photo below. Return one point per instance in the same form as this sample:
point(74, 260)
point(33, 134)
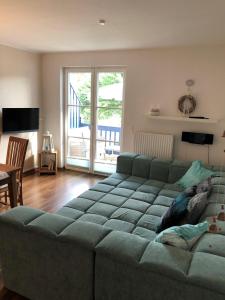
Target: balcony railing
point(109, 134)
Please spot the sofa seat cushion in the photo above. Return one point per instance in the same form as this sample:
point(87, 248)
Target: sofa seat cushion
point(136, 205)
point(114, 179)
point(126, 214)
point(169, 193)
point(125, 203)
point(150, 222)
point(113, 199)
point(212, 209)
point(173, 187)
point(164, 200)
point(122, 192)
point(146, 197)
point(145, 233)
point(132, 201)
point(211, 243)
point(149, 189)
point(111, 181)
point(102, 209)
point(105, 188)
point(127, 184)
point(70, 213)
point(208, 270)
point(166, 260)
point(81, 204)
point(92, 195)
point(156, 183)
point(93, 218)
point(127, 248)
point(119, 225)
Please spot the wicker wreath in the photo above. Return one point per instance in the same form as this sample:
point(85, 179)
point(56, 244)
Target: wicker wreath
point(187, 104)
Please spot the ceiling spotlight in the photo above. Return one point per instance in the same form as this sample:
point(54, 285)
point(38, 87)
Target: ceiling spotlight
point(101, 22)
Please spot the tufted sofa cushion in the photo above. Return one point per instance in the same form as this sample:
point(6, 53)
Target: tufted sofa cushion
point(127, 203)
point(160, 169)
point(141, 166)
point(136, 200)
point(177, 170)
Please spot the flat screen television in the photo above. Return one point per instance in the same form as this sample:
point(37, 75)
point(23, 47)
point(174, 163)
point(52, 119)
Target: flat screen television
point(20, 119)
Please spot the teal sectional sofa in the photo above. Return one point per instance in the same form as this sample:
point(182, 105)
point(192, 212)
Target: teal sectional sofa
point(100, 245)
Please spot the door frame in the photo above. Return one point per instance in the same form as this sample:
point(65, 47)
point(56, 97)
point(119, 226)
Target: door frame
point(94, 71)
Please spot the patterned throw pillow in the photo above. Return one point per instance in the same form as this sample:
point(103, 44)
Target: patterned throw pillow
point(204, 186)
point(184, 236)
point(195, 207)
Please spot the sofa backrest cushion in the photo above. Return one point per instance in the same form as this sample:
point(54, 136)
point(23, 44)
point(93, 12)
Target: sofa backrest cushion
point(160, 169)
point(177, 170)
point(125, 162)
point(141, 166)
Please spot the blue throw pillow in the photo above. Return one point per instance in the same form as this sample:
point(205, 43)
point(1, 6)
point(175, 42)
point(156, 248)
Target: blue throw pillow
point(195, 174)
point(182, 236)
point(176, 212)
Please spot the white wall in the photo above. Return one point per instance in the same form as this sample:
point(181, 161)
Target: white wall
point(20, 86)
point(153, 76)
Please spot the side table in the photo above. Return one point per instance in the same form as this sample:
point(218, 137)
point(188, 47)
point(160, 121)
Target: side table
point(48, 162)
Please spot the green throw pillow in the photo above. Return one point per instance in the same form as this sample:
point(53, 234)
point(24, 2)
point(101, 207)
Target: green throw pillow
point(195, 174)
point(184, 236)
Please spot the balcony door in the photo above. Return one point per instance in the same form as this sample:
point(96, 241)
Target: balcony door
point(93, 118)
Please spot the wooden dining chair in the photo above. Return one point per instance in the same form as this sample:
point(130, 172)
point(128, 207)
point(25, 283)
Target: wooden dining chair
point(15, 157)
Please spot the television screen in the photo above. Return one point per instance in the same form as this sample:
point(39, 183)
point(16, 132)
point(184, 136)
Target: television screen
point(20, 119)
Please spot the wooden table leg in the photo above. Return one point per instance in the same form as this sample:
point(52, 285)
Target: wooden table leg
point(13, 190)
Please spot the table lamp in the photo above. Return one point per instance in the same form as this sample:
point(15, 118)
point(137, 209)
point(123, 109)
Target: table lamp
point(47, 145)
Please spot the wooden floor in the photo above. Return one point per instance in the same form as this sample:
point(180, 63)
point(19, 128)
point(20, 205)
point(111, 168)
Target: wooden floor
point(49, 193)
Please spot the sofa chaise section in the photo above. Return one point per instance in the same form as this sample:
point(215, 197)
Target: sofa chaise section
point(129, 268)
point(47, 256)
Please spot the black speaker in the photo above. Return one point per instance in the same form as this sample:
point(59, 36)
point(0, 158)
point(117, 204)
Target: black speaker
point(197, 138)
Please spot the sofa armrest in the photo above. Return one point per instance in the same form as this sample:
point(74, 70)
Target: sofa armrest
point(20, 216)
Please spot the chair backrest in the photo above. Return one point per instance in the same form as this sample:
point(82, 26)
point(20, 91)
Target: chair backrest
point(16, 152)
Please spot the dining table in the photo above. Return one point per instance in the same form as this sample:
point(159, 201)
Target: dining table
point(8, 176)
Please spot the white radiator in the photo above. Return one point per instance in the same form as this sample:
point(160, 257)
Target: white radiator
point(154, 144)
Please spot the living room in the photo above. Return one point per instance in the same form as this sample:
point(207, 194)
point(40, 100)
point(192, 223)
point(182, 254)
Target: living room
point(164, 51)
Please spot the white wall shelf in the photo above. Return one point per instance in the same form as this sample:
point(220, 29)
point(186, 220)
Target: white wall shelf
point(182, 119)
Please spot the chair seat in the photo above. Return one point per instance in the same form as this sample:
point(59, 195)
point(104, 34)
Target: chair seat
point(3, 188)
point(3, 175)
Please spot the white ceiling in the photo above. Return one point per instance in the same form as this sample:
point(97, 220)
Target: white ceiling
point(71, 25)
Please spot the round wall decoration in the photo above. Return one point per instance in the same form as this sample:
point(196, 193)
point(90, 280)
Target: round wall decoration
point(187, 104)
